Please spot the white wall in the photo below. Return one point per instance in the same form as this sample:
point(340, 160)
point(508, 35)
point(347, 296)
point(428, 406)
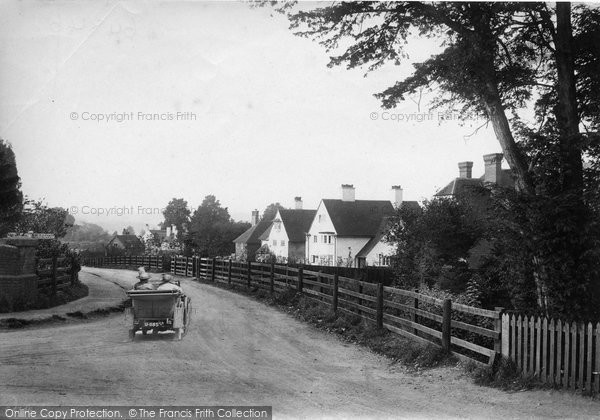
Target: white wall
point(383, 248)
point(321, 226)
point(355, 245)
point(277, 237)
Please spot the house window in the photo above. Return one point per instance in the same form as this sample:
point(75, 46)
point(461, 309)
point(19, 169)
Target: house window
point(282, 243)
point(274, 242)
point(315, 238)
point(315, 258)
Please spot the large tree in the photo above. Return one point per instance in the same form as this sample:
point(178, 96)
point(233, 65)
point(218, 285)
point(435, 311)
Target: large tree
point(212, 230)
point(11, 198)
point(177, 213)
point(497, 58)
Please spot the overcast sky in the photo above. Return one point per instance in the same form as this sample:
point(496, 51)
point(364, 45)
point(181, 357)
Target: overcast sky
point(262, 118)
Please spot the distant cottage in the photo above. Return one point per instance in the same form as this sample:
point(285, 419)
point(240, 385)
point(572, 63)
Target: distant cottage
point(286, 236)
point(248, 242)
point(125, 245)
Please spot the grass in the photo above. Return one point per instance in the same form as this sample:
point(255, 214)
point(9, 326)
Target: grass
point(504, 375)
point(44, 299)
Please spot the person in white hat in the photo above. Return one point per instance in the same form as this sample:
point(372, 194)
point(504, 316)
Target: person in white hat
point(144, 283)
point(166, 284)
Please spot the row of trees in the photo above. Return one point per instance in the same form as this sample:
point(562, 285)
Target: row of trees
point(209, 231)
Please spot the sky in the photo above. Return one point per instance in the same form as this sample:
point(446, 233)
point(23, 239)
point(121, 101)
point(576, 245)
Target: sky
point(114, 108)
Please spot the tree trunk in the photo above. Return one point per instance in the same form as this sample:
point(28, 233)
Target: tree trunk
point(515, 158)
point(566, 112)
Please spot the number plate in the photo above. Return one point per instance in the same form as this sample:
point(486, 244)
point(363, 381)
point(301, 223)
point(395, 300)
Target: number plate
point(154, 324)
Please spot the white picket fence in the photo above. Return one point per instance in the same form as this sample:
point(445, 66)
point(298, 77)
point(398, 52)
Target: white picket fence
point(565, 354)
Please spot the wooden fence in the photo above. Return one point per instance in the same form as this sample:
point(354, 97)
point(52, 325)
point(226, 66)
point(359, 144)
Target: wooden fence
point(149, 262)
point(565, 354)
point(54, 273)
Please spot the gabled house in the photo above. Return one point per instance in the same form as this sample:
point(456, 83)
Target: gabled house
point(249, 242)
point(348, 232)
point(125, 245)
point(286, 236)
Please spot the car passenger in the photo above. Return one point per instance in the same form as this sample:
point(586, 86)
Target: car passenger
point(144, 283)
point(166, 284)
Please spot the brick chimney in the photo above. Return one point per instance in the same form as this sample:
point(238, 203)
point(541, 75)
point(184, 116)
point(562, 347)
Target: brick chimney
point(493, 167)
point(397, 199)
point(465, 169)
point(347, 192)
point(298, 203)
point(254, 218)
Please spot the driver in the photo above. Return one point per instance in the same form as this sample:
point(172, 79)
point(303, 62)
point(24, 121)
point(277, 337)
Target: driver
point(166, 284)
point(144, 283)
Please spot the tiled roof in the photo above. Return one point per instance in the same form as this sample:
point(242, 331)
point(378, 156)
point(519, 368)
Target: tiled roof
point(266, 233)
point(375, 240)
point(461, 185)
point(359, 217)
point(251, 236)
point(297, 223)
point(382, 230)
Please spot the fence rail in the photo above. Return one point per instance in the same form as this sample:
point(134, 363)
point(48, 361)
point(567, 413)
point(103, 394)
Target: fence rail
point(560, 353)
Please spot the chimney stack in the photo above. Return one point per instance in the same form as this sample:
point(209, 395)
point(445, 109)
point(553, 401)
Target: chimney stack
point(493, 167)
point(298, 203)
point(465, 169)
point(397, 202)
point(254, 219)
point(347, 192)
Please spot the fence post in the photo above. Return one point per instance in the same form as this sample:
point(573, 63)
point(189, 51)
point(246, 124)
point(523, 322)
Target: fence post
point(413, 316)
point(229, 271)
point(446, 320)
point(54, 262)
point(300, 279)
point(272, 279)
point(249, 274)
point(334, 302)
point(380, 305)
point(498, 347)
point(213, 263)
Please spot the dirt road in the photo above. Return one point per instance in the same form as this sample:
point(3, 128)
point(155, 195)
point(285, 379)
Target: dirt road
point(239, 351)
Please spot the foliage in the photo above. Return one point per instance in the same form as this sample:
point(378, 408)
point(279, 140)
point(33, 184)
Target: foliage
point(177, 213)
point(37, 217)
point(87, 232)
point(271, 210)
point(212, 231)
point(434, 242)
point(11, 198)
